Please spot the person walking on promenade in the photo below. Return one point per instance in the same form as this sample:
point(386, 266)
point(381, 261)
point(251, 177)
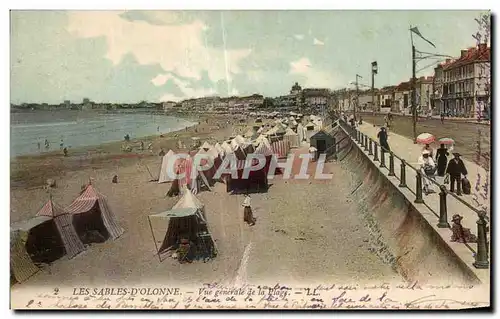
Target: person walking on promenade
point(382, 139)
point(442, 118)
point(456, 168)
point(247, 212)
point(442, 160)
point(427, 147)
point(427, 169)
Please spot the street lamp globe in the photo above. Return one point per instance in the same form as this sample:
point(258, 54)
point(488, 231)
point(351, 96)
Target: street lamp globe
point(374, 67)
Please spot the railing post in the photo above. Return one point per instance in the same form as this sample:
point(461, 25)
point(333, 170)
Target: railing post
point(375, 154)
point(382, 157)
point(366, 142)
point(361, 139)
point(370, 150)
point(482, 243)
point(419, 199)
point(402, 183)
point(443, 209)
point(391, 164)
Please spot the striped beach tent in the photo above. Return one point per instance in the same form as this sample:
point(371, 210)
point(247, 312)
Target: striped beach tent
point(21, 264)
point(92, 206)
point(280, 148)
point(64, 225)
point(264, 147)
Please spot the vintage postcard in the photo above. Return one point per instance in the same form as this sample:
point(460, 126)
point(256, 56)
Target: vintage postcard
point(250, 159)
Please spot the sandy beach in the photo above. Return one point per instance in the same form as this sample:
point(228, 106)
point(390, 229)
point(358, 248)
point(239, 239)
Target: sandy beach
point(307, 230)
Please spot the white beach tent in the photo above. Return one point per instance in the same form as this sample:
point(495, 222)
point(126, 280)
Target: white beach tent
point(206, 146)
point(165, 162)
point(226, 148)
point(239, 139)
point(300, 133)
point(219, 149)
point(213, 152)
point(291, 137)
point(309, 130)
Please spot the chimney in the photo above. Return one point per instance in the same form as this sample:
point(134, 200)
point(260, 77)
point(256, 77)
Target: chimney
point(463, 53)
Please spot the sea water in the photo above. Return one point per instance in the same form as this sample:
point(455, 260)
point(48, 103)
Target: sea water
point(75, 129)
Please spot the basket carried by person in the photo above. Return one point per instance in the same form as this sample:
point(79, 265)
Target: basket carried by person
point(430, 170)
point(466, 187)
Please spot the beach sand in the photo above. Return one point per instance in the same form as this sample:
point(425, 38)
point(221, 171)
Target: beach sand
point(306, 231)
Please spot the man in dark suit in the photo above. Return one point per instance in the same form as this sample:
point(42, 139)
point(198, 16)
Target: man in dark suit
point(456, 167)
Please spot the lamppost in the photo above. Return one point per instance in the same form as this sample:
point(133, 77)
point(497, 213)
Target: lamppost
point(374, 71)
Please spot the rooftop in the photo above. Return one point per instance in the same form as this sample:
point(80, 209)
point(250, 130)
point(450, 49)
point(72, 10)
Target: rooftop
point(480, 53)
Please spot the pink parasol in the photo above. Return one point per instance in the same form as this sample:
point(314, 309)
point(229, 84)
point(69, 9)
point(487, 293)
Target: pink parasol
point(425, 138)
point(446, 141)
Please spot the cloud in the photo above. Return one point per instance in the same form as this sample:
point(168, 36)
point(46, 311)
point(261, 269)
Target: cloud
point(318, 42)
point(313, 77)
point(160, 79)
point(301, 66)
point(299, 36)
point(178, 49)
point(167, 97)
point(185, 86)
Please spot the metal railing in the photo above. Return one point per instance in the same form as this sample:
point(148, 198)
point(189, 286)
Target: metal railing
point(482, 251)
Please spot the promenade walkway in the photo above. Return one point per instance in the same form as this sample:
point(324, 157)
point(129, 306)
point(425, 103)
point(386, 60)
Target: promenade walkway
point(404, 148)
point(435, 117)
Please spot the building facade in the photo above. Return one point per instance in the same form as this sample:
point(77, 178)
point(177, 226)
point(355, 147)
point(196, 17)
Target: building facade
point(424, 88)
point(463, 86)
point(402, 96)
point(386, 98)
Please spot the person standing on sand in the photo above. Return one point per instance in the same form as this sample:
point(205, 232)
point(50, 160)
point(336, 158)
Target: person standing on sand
point(39, 146)
point(247, 211)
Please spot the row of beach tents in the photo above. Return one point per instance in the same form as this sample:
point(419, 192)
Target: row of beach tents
point(56, 231)
point(237, 146)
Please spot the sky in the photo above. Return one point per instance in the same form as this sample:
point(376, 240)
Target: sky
point(133, 56)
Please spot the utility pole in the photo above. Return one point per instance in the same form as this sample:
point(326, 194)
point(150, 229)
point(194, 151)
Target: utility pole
point(357, 95)
point(414, 95)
